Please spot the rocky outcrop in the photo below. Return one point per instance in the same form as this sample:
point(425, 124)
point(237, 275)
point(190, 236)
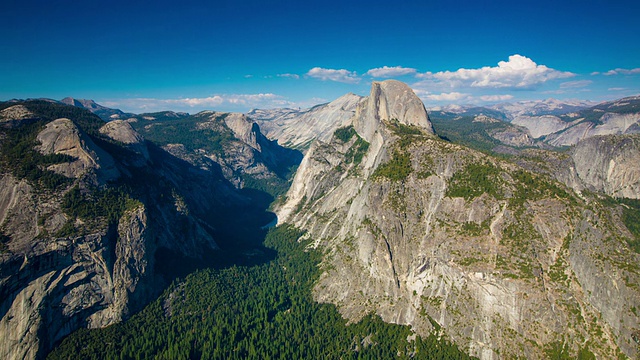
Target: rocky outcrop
point(57, 285)
point(568, 127)
point(51, 286)
point(15, 113)
point(299, 128)
point(573, 127)
point(601, 164)
point(62, 136)
point(513, 136)
point(503, 261)
point(121, 131)
point(389, 100)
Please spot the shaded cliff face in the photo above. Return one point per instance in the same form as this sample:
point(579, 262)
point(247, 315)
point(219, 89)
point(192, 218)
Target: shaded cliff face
point(91, 216)
point(503, 261)
point(230, 142)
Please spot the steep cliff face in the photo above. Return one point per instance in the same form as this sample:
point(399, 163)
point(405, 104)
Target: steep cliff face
point(389, 100)
point(608, 124)
point(381, 109)
point(420, 231)
point(61, 284)
point(84, 252)
point(609, 164)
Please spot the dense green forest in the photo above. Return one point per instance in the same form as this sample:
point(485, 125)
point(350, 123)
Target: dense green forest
point(260, 311)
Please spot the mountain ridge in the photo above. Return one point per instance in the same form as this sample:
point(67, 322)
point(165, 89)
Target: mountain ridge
point(444, 238)
point(96, 221)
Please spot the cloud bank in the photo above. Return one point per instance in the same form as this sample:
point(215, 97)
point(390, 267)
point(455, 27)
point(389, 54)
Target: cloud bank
point(519, 72)
point(342, 75)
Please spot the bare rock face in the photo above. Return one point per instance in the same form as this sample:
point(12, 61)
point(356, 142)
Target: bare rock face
point(503, 261)
point(50, 287)
point(384, 104)
point(62, 136)
point(299, 128)
point(608, 124)
point(513, 138)
point(16, 112)
point(389, 100)
point(573, 128)
point(609, 164)
point(541, 125)
point(122, 131)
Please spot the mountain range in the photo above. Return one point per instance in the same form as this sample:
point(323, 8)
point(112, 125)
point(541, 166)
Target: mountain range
point(510, 230)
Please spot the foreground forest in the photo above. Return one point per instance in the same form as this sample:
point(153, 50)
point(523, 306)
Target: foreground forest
point(260, 311)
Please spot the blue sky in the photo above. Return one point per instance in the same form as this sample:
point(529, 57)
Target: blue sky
point(237, 55)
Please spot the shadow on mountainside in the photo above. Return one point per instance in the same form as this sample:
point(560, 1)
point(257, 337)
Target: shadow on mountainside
point(233, 218)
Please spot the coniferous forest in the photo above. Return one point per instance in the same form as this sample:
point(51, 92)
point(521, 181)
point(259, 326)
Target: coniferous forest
point(260, 311)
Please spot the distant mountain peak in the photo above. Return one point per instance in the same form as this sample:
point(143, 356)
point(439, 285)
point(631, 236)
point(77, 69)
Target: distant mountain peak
point(103, 112)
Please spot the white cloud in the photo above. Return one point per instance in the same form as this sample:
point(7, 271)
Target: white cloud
point(452, 96)
point(519, 72)
point(616, 89)
point(388, 72)
point(575, 84)
point(287, 75)
point(620, 71)
point(342, 75)
point(496, 97)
